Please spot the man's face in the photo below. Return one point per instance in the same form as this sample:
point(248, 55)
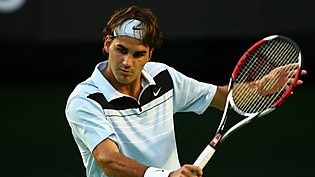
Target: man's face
point(126, 59)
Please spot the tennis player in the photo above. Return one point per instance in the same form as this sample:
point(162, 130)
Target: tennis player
point(121, 117)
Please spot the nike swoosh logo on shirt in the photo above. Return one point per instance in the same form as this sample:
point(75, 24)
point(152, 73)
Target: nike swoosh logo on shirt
point(157, 92)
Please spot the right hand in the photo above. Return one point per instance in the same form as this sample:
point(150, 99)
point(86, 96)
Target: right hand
point(187, 171)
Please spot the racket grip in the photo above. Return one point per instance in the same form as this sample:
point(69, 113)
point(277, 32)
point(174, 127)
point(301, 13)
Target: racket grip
point(204, 157)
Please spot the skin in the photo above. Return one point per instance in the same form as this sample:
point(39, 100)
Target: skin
point(280, 78)
point(126, 59)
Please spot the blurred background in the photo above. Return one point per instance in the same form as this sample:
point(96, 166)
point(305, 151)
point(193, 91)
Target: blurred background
point(47, 47)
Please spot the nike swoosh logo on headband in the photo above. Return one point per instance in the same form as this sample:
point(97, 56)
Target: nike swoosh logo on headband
point(136, 27)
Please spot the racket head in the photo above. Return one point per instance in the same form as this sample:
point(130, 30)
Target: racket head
point(258, 63)
point(272, 63)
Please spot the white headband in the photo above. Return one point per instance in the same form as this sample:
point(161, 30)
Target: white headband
point(131, 28)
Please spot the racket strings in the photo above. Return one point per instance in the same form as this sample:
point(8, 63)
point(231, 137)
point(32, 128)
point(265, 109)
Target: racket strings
point(268, 100)
point(279, 52)
point(271, 59)
point(285, 51)
point(247, 75)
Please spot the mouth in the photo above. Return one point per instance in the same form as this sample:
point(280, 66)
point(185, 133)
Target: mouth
point(125, 72)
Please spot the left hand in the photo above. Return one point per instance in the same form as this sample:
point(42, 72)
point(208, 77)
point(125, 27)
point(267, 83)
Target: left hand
point(277, 79)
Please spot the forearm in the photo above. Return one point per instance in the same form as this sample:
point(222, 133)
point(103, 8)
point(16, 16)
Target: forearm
point(245, 92)
point(115, 164)
point(220, 97)
point(118, 165)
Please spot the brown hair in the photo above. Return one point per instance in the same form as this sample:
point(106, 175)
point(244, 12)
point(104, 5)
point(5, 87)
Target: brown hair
point(149, 23)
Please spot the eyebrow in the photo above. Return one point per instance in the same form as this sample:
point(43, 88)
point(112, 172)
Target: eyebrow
point(137, 52)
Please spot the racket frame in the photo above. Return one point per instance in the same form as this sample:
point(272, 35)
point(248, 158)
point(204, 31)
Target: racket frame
point(220, 135)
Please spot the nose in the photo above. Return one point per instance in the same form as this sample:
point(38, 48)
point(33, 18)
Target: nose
point(127, 60)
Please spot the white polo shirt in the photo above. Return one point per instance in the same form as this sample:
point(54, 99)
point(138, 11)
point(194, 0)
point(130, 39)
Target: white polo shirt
point(144, 128)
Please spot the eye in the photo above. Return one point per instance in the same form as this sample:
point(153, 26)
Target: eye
point(138, 54)
point(122, 50)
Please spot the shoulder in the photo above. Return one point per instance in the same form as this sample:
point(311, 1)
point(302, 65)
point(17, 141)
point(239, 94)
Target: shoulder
point(154, 68)
point(83, 90)
point(80, 102)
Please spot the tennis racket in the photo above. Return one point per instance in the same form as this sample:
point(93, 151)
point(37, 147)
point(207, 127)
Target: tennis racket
point(263, 78)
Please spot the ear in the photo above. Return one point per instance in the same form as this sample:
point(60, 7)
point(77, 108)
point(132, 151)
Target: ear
point(107, 43)
point(150, 54)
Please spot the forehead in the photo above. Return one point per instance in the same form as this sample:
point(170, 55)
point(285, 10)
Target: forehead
point(130, 43)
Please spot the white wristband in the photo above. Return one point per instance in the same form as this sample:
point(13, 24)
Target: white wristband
point(156, 172)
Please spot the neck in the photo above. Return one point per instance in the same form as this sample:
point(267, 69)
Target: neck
point(132, 89)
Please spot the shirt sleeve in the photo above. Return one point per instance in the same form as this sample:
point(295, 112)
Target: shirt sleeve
point(87, 121)
point(191, 95)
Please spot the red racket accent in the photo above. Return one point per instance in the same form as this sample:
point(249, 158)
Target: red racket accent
point(262, 79)
point(289, 90)
point(245, 57)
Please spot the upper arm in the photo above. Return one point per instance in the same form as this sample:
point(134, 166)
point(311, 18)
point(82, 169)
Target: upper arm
point(104, 150)
point(113, 163)
point(219, 98)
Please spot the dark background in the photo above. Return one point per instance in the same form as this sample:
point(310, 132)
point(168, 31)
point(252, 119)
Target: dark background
point(47, 47)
